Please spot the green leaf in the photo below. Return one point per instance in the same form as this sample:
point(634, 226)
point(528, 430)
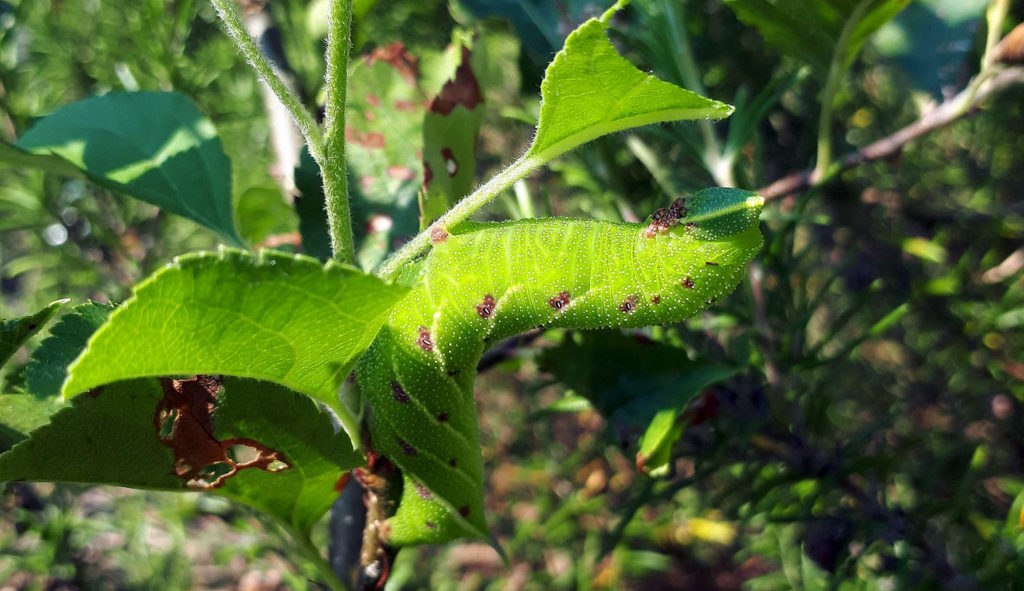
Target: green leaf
point(450, 131)
point(809, 30)
point(668, 404)
point(154, 146)
point(931, 39)
point(263, 212)
point(590, 90)
point(20, 414)
point(118, 435)
point(11, 154)
point(14, 332)
point(638, 384)
point(310, 206)
point(271, 316)
point(49, 366)
point(384, 132)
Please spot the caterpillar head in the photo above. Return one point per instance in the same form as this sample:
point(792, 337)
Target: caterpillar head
point(718, 214)
point(701, 254)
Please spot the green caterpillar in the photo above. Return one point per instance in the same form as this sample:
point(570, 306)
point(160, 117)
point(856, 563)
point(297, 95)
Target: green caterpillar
point(485, 282)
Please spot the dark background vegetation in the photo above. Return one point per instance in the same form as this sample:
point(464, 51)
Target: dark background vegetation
point(870, 438)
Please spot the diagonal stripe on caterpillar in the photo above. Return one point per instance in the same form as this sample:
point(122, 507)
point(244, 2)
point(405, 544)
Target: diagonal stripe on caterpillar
point(484, 282)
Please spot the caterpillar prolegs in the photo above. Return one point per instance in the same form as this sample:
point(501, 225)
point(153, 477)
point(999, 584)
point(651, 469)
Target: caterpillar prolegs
point(484, 282)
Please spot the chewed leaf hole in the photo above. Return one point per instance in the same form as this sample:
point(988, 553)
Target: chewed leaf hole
point(183, 421)
point(211, 475)
point(278, 465)
point(166, 422)
point(242, 454)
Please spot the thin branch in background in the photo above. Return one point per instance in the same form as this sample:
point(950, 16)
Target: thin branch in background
point(228, 14)
point(959, 106)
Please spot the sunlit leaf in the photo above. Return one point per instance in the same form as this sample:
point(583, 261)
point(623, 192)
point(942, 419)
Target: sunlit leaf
point(275, 317)
point(590, 90)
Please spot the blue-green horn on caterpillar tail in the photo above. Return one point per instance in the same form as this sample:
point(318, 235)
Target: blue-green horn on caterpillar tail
point(484, 282)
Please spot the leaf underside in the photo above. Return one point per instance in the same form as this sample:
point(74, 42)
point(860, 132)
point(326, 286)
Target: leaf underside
point(113, 436)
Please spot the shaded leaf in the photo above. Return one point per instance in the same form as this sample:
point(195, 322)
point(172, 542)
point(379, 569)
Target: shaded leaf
point(667, 405)
point(14, 332)
point(450, 131)
point(271, 316)
point(931, 39)
point(113, 436)
point(809, 30)
point(49, 366)
point(14, 155)
point(310, 206)
point(20, 414)
point(638, 384)
point(155, 146)
point(589, 90)
point(262, 213)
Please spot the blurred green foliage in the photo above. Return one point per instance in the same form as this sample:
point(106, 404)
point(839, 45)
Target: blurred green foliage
point(869, 439)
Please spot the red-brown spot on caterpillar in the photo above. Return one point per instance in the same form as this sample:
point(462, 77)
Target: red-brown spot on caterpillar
point(711, 263)
point(628, 305)
point(442, 417)
point(451, 165)
point(453, 462)
point(559, 301)
point(399, 393)
point(486, 307)
point(656, 299)
point(430, 524)
point(464, 510)
point(422, 491)
point(406, 448)
point(690, 226)
point(424, 340)
point(438, 235)
point(687, 283)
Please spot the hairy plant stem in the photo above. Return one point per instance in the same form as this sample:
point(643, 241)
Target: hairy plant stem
point(836, 72)
point(462, 210)
point(332, 166)
point(228, 14)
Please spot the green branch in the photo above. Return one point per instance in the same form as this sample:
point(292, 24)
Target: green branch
point(332, 168)
point(270, 76)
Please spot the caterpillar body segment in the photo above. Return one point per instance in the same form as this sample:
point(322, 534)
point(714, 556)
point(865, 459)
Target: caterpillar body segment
point(485, 282)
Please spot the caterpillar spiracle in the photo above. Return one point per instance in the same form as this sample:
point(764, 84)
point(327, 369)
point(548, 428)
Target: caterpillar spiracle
point(485, 282)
